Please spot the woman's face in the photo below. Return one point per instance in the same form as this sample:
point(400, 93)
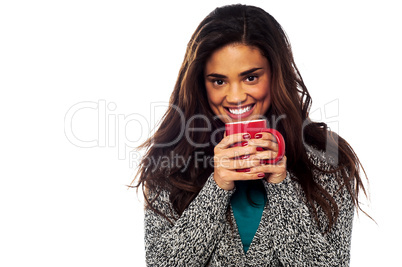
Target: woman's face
point(238, 79)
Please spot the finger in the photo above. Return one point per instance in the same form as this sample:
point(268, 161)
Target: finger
point(236, 152)
point(244, 164)
point(269, 168)
point(232, 139)
point(233, 164)
point(265, 144)
point(279, 167)
point(228, 176)
point(265, 136)
point(267, 154)
point(242, 176)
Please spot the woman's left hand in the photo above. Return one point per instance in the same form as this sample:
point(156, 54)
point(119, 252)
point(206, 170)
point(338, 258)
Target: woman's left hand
point(274, 173)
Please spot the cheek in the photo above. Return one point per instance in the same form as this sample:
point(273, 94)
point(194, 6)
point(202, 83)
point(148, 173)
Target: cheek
point(262, 92)
point(214, 97)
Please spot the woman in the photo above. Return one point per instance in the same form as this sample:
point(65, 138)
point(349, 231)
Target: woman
point(199, 210)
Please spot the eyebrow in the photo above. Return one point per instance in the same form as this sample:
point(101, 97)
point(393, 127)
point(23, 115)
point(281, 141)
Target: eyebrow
point(216, 75)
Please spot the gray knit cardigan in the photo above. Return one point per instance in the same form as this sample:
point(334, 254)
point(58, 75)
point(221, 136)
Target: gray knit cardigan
point(287, 234)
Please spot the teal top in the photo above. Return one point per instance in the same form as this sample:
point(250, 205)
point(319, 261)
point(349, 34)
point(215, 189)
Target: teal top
point(247, 215)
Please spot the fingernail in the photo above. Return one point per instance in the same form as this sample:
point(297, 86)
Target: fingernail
point(247, 170)
point(261, 175)
point(260, 148)
point(258, 136)
point(245, 157)
point(247, 136)
point(244, 144)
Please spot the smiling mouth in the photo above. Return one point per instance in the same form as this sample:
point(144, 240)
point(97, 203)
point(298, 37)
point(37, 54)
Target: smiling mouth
point(240, 111)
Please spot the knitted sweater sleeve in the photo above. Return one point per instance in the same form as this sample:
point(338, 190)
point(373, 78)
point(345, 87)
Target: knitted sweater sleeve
point(298, 239)
point(191, 238)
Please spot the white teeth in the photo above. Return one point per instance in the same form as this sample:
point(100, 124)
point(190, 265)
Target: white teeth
point(239, 111)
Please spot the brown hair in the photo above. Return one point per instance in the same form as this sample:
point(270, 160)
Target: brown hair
point(189, 106)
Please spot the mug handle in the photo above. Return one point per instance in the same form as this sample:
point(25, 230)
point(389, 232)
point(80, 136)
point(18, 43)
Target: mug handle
point(281, 146)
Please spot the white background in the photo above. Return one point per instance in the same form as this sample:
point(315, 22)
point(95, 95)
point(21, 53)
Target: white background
point(65, 205)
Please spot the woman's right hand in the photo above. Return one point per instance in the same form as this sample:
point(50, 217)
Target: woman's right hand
point(227, 159)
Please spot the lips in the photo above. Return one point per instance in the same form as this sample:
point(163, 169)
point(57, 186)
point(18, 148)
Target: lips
point(240, 112)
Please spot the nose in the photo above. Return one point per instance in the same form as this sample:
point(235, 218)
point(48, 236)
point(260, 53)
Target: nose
point(236, 95)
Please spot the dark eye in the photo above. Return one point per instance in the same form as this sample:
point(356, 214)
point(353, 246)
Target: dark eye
point(251, 78)
point(219, 82)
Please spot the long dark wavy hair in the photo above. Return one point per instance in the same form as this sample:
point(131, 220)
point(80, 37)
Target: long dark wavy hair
point(183, 174)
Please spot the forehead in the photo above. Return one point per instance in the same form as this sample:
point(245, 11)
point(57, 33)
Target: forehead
point(235, 58)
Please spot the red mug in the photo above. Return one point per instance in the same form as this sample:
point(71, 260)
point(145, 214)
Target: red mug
point(253, 127)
